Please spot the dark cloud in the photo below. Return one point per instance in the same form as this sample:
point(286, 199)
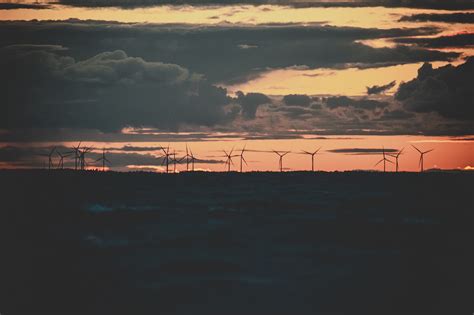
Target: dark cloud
point(130, 148)
point(362, 151)
point(297, 100)
point(458, 40)
point(446, 90)
point(377, 89)
point(433, 17)
point(45, 88)
point(433, 4)
point(215, 50)
point(344, 101)
point(396, 114)
point(14, 6)
point(250, 102)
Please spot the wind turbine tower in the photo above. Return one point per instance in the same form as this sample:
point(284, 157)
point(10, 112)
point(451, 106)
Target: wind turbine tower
point(242, 158)
point(281, 155)
point(312, 157)
point(384, 160)
point(422, 154)
point(104, 160)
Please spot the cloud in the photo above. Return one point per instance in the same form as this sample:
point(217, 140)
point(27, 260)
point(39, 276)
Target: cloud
point(377, 89)
point(344, 101)
point(397, 114)
point(447, 91)
point(458, 40)
point(207, 50)
point(297, 99)
point(362, 151)
point(434, 17)
point(15, 6)
point(111, 90)
point(433, 4)
point(250, 102)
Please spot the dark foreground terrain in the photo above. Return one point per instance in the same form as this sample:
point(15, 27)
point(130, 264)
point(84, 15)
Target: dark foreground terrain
point(257, 243)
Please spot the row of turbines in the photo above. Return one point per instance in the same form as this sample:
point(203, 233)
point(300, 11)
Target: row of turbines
point(396, 156)
point(169, 158)
point(79, 154)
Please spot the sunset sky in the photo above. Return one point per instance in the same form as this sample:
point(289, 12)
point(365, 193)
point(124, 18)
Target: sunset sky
point(130, 76)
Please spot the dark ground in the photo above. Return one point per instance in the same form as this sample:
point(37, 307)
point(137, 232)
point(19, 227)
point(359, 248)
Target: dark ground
point(255, 243)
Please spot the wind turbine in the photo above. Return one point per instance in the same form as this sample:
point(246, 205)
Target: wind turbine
point(384, 160)
point(166, 157)
point(229, 157)
point(396, 156)
point(61, 159)
point(422, 154)
point(50, 158)
point(104, 160)
point(242, 159)
point(174, 160)
point(188, 158)
point(312, 157)
point(82, 157)
point(193, 158)
point(77, 154)
point(281, 155)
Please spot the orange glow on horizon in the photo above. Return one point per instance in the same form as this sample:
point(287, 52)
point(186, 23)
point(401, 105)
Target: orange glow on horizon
point(449, 153)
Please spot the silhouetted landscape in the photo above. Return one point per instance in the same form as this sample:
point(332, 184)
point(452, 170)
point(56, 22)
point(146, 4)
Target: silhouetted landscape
point(230, 243)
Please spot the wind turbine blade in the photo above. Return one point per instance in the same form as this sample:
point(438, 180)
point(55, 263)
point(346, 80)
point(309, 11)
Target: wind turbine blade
point(428, 151)
point(416, 148)
point(389, 161)
point(379, 162)
point(306, 152)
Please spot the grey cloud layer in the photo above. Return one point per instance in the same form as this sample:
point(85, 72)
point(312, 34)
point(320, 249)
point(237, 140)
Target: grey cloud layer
point(435, 4)
point(458, 40)
point(106, 76)
point(446, 90)
point(448, 18)
point(216, 51)
point(109, 91)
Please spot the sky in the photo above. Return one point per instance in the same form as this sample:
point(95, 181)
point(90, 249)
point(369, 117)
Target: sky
point(130, 77)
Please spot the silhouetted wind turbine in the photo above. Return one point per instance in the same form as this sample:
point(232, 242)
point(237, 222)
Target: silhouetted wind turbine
point(82, 157)
point(77, 154)
point(174, 160)
point(104, 160)
point(61, 159)
point(166, 158)
point(187, 157)
point(50, 158)
point(422, 154)
point(281, 155)
point(396, 156)
point(312, 157)
point(242, 159)
point(384, 159)
point(191, 155)
point(229, 157)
